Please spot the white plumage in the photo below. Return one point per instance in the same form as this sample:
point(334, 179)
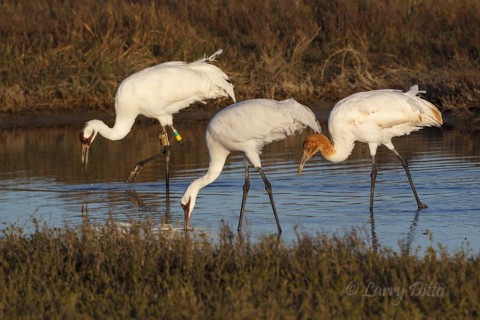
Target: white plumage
point(246, 127)
point(159, 92)
point(373, 117)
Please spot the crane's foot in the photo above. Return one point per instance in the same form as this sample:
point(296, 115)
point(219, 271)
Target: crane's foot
point(422, 206)
point(134, 173)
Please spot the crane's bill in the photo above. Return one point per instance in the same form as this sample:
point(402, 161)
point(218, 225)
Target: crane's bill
point(85, 148)
point(306, 156)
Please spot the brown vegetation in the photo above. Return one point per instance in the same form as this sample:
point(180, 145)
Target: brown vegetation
point(116, 273)
point(70, 55)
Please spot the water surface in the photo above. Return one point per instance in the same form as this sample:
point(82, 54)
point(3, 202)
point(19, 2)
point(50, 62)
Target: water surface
point(41, 177)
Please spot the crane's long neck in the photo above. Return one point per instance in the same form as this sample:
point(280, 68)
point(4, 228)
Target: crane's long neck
point(337, 151)
point(120, 129)
point(217, 161)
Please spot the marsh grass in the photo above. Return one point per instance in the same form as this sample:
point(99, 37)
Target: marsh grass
point(70, 55)
point(107, 272)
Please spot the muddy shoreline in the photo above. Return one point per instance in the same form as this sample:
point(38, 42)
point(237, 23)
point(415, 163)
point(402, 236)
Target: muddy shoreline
point(49, 119)
point(78, 119)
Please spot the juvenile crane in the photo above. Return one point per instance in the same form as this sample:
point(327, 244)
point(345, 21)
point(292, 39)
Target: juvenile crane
point(246, 127)
point(159, 92)
point(373, 117)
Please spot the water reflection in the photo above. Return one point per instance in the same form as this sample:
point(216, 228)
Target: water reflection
point(40, 175)
point(374, 239)
point(406, 243)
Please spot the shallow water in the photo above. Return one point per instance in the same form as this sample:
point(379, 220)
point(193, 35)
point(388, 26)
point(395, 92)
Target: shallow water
point(41, 177)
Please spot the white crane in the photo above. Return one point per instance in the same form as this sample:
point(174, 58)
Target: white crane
point(159, 92)
point(373, 117)
point(247, 126)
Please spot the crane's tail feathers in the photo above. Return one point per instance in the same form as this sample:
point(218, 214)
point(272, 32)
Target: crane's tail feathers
point(319, 127)
point(414, 90)
point(212, 57)
point(230, 92)
point(303, 114)
point(430, 115)
point(219, 82)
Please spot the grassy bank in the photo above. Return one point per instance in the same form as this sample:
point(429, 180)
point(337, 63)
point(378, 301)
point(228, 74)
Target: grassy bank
point(70, 55)
point(103, 273)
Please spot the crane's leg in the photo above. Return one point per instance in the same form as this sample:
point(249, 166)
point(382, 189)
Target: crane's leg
point(246, 187)
point(165, 152)
point(407, 171)
point(268, 187)
point(373, 177)
point(166, 149)
point(139, 166)
point(167, 171)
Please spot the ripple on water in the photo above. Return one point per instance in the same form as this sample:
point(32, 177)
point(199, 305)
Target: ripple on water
point(327, 197)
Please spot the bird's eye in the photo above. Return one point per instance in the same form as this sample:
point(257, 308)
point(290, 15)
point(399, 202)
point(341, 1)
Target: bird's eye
point(82, 138)
point(186, 206)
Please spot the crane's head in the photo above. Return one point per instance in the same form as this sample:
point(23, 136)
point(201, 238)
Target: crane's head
point(87, 135)
point(188, 201)
point(313, 143)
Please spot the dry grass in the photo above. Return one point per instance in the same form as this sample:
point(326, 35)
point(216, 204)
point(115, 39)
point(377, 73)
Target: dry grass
point(70, 55)
point(109, 272)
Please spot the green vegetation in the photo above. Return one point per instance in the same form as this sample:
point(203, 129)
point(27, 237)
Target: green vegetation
point(117, 273)
point(71, 55)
